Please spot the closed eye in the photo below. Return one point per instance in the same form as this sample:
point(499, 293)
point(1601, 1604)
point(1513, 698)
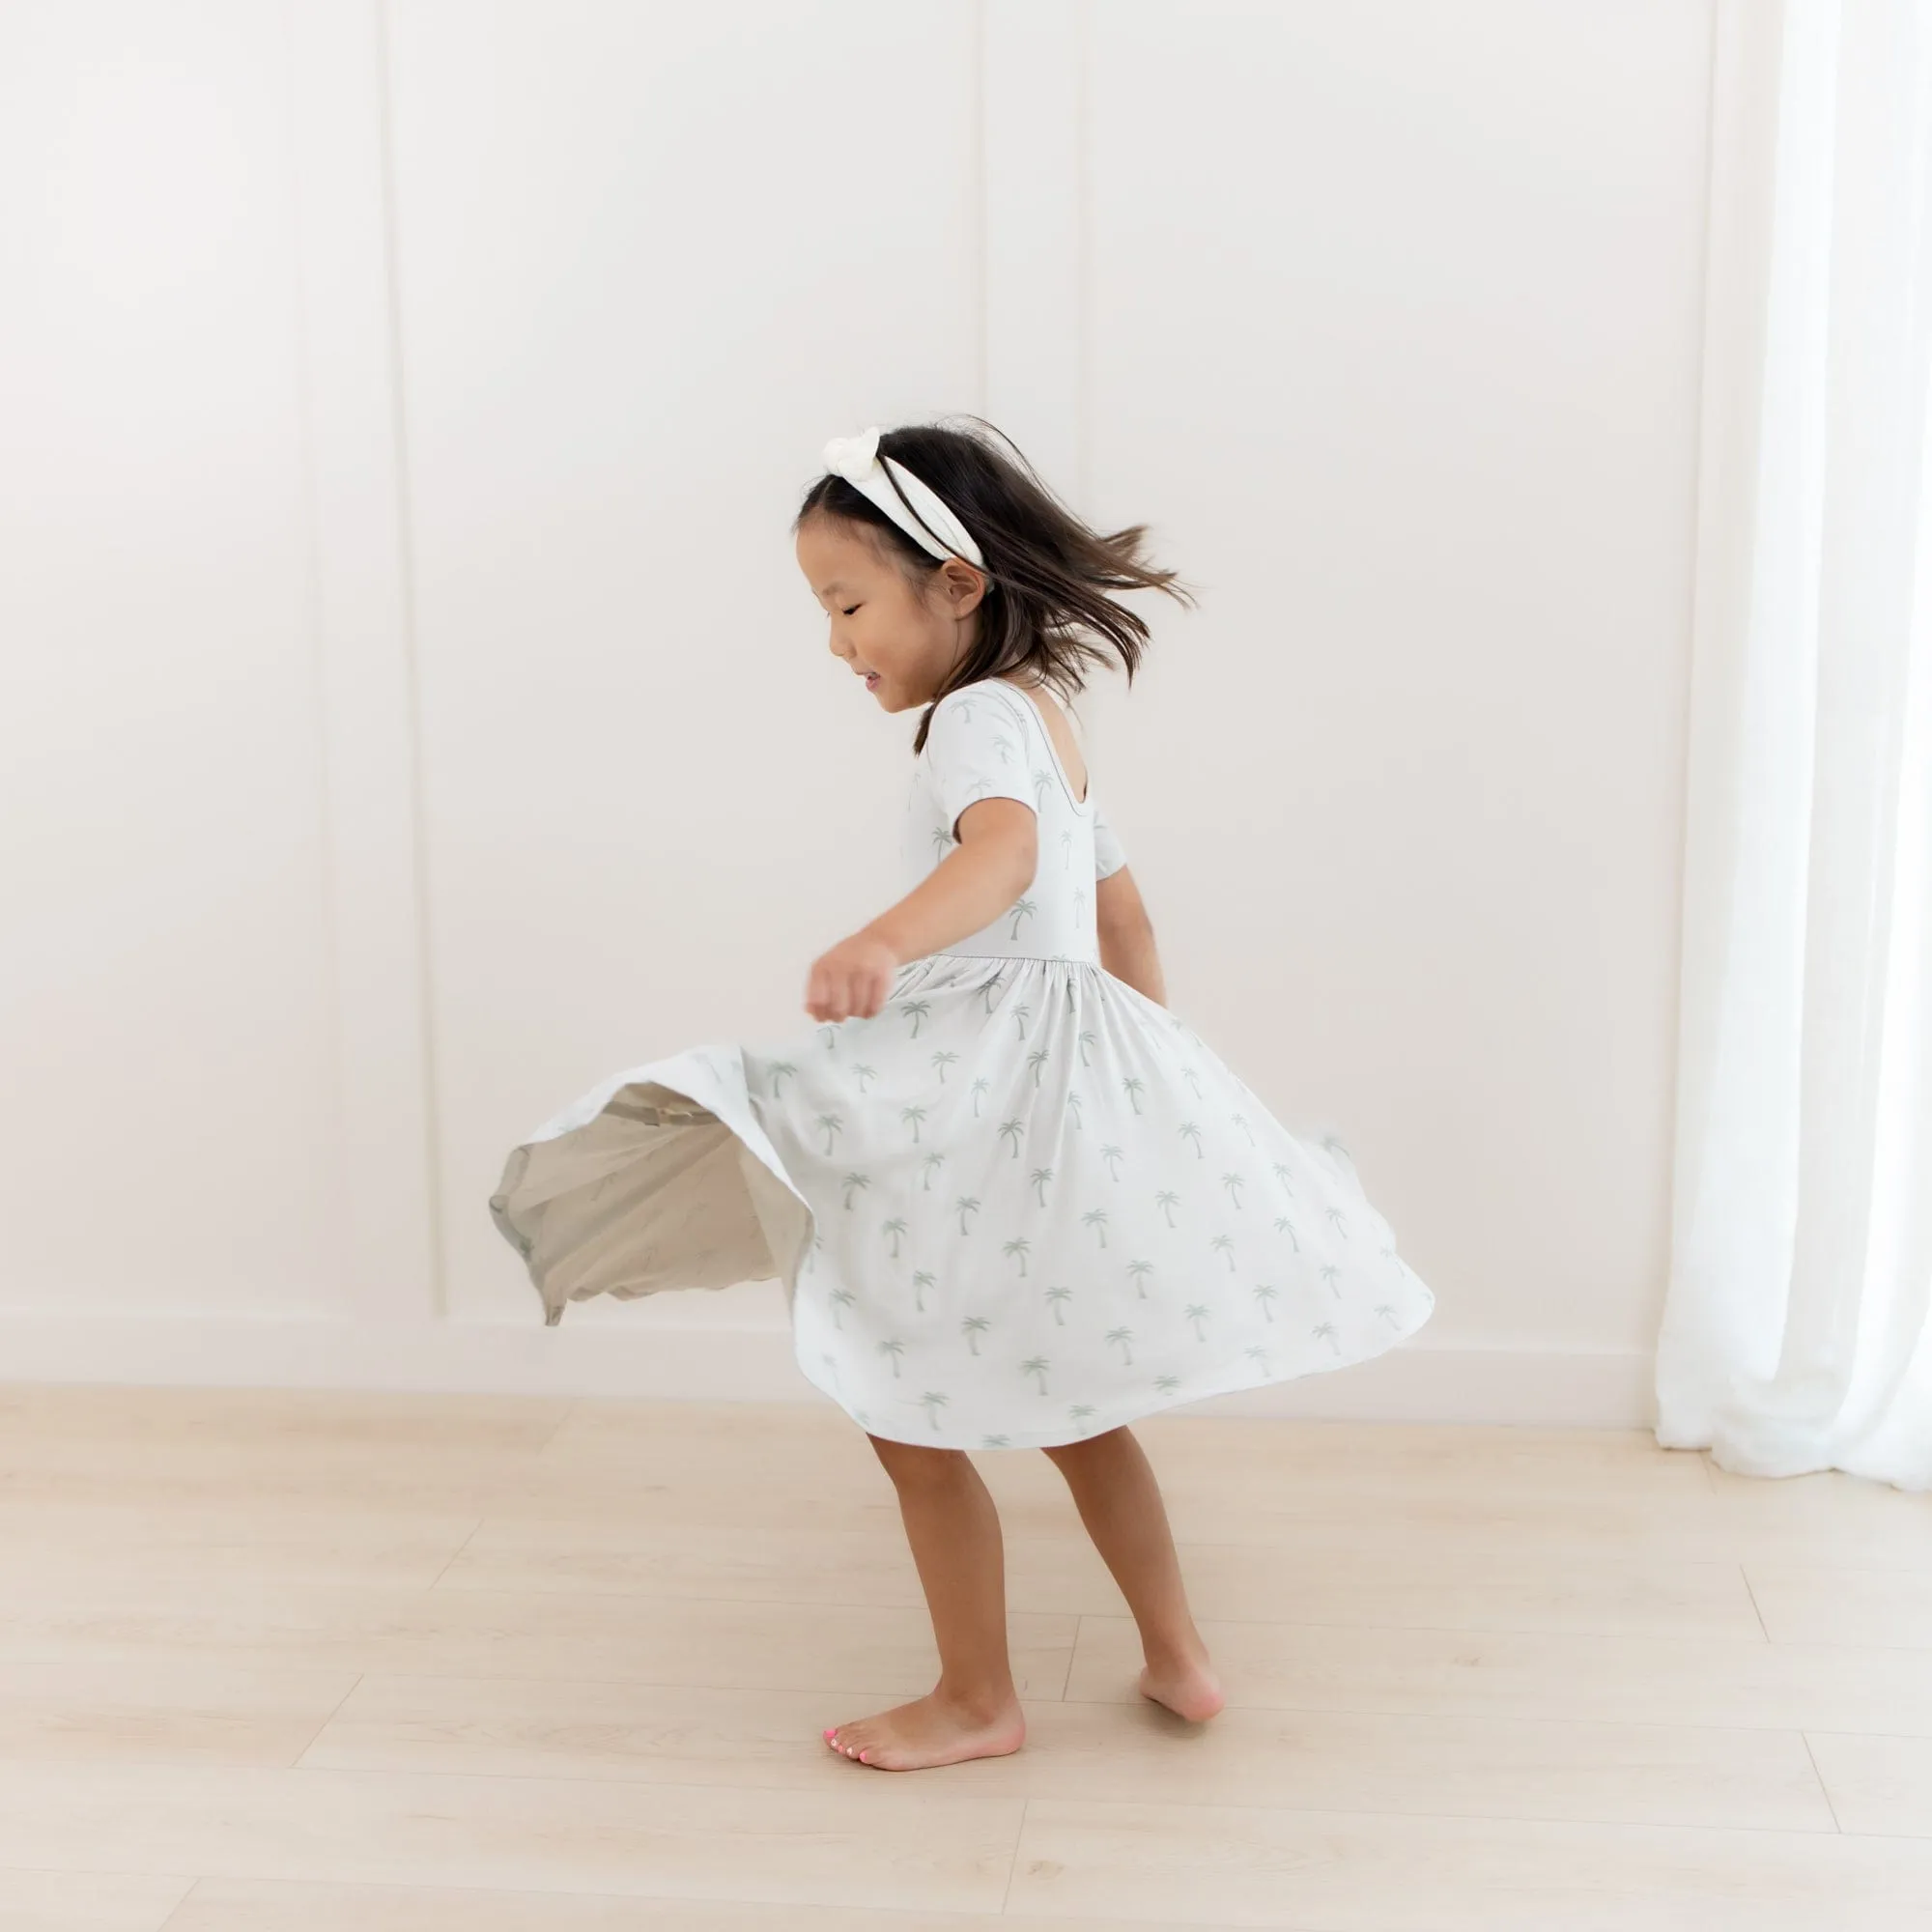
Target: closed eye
point(849, 609)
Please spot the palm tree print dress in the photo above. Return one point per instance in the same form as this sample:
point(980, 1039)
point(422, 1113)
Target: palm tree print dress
point(1020, 1205)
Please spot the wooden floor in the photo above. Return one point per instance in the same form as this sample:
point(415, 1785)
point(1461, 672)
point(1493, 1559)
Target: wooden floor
point(295, 1663)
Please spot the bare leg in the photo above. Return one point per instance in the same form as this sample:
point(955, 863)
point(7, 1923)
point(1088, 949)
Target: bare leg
point(1114, 1488)
point(973, 1711)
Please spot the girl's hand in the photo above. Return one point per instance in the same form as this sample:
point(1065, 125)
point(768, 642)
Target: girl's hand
point(851, 980)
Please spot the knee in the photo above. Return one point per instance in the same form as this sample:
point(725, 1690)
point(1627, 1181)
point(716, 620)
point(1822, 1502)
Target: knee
point(912, 1465)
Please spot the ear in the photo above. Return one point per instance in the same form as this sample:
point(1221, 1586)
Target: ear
point(964, 587)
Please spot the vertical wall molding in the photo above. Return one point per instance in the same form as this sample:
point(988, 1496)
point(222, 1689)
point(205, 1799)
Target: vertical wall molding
point(1033, 138)
point(360, 615)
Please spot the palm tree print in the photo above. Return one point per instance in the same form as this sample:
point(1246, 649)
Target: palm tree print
point(1040, 1176)
point(892, 1230)
point(1332, 1275)
point(1265, 1294)
point(780, 1068)
point(1021, 1014)
point(1087, 1039)
point(1384, 1313)
point(921, 1282)
point(1193, 1079)
point(1133, 1087)
point(861, 1074)
point(1020, 1247)
point(841, 1298)
point(1234, 1183)
point(1042, 782)
point(932, 1402)
point(1096, 1219)
point(1225, 1244)
point(912, 1117)
point(1120, 1338)
point(892, 1345)
point(978, 1088)
point(942, 1059)
point(1198, 1315)
point(830, 1032)
point(941, 840)
point(1136, 1270)
point(994, 1441)
point(1284, 1225)
point(932, 1163)
point(853, 1182)
point(1073, 1105)
point(991, 987)
point(1191, 1131)
point(811, 1252)
point(1241, 1122)
point(917, 1011)
point(1038, 1060)
point(1167, 1201)
point(831, 1365)
point(1066, 849)
point(1259, 1356)
point(967, 1203)
point(1080, 1411)
point(1037, 1366)
point(1113, 1156)
point(973, 1327)
point(1324, 1331)
point(1014, 1127)
point(1054, 1296)
point(1021, 909)
point(833, 1126)
point(1334, 1146)
point(1341, 1227)
point(1167, 1385)
point(1281, 1175)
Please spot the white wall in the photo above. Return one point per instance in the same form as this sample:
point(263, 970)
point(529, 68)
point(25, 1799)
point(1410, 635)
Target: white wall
point(405, 408)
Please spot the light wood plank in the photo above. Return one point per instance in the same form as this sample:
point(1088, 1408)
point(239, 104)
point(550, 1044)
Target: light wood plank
point(257, 1905)
point(126, 1710)
point(1839, 1603)
point(1342, 1871)
point(880, 1650)
point(1372, 1586)
point(244, 1541)
point(1877, 1784)
point(1474, 1767)
point(887, 1843)
point(1584, 1679)
point(60, 1901)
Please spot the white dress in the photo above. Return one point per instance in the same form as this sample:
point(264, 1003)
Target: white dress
point(1020, 1205)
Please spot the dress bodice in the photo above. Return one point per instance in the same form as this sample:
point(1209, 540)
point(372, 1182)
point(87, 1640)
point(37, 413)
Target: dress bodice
point(988, 740)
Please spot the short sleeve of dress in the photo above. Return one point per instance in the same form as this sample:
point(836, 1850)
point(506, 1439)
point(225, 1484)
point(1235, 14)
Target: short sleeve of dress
point(1108, 855)
point(974, 750)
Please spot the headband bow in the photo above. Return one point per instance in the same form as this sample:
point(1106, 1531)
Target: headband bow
point(857, 459)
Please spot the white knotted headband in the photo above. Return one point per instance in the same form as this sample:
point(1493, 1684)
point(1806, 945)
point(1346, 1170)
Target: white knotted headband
point(857, 459)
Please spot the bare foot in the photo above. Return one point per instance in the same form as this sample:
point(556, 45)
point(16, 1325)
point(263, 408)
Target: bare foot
point(1189, 1689)
point(928, 1732)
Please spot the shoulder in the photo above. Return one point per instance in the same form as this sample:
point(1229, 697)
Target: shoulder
point(984, 697)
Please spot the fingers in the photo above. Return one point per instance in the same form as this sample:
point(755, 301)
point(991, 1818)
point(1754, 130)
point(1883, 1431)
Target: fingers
point(845, 992)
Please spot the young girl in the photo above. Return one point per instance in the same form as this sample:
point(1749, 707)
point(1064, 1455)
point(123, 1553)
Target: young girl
point(1014, 1201)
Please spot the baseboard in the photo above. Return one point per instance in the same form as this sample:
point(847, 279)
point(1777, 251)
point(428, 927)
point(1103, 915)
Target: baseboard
point(1526, 1387)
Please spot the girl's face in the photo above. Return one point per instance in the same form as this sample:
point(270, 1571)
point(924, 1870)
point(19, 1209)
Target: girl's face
point(900, 638)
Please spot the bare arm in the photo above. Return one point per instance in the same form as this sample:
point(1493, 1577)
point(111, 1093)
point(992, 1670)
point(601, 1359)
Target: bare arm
point(971, 886)
point(1128, 948)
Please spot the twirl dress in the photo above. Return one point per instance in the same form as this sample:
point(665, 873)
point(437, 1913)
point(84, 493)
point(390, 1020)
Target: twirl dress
point(1021, 1204)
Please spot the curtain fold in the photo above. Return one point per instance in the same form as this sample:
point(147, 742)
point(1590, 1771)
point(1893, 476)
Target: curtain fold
point(1797, 1331)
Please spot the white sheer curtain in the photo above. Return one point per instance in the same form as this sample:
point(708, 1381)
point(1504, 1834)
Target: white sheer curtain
point(1796, 1332)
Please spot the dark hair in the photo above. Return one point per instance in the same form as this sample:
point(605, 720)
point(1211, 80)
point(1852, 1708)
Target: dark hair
point(1048, 574)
